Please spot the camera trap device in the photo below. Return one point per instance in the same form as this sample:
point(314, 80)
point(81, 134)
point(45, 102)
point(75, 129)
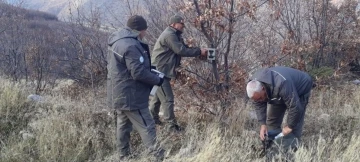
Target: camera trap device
point(211, 53)
point(155, 87)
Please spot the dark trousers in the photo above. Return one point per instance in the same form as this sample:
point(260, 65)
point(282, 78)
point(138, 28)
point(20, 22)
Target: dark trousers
point(275, 115)
point(143, 123)
point(291, 141)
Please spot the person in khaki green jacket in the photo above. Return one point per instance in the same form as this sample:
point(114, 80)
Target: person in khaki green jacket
point(166, 56)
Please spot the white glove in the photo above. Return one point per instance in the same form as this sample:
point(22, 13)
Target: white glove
point(279, 135)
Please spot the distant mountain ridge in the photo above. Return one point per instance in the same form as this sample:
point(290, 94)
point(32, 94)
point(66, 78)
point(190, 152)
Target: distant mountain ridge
point(55, 7)
point(47, 48)
point(62, 8)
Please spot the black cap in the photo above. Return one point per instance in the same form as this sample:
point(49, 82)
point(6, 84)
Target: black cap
point(137, 22)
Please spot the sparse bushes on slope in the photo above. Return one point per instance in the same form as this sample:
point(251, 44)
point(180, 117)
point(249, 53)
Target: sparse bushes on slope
point(64, 129)
point(331, 131)
point(52, 130)
point(14, 111)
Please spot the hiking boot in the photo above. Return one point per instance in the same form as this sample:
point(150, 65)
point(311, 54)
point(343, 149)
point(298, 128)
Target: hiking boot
point(158, 122)
point(174, 128)
point(127, 157)
point(160, 154)
point(156, 155)
point(124, 157)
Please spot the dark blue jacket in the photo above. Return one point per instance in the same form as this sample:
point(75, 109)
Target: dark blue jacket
point(283, 85)
point(129, 71)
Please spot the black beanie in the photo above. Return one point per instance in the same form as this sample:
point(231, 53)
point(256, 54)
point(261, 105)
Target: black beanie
point(137, 22)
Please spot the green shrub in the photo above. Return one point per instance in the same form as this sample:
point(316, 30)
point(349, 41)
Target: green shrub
point(321, 72)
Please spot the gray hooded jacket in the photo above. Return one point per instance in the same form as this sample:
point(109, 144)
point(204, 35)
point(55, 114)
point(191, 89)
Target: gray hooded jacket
point(283, 85)
point(130, 78)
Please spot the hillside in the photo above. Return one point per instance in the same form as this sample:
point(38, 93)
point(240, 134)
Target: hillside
point(64, 9)
point(53, 71)
point(63, 126)
point(48, 48)
point(54, 7)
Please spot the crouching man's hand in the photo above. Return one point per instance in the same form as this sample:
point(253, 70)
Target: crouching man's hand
point(286, 130)
point(263, 132)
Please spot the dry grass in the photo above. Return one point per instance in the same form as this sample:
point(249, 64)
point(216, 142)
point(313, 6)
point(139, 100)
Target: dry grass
point(62, 128)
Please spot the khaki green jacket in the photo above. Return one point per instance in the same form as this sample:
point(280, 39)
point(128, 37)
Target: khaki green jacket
point(168, 50)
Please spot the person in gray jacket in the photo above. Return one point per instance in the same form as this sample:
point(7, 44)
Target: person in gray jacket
point(166, 56)
point(129, 84)
point(283, 88)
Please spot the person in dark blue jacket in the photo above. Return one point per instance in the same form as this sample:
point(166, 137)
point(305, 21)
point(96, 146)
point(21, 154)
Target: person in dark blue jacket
point(129, 84)
point(283, 88)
